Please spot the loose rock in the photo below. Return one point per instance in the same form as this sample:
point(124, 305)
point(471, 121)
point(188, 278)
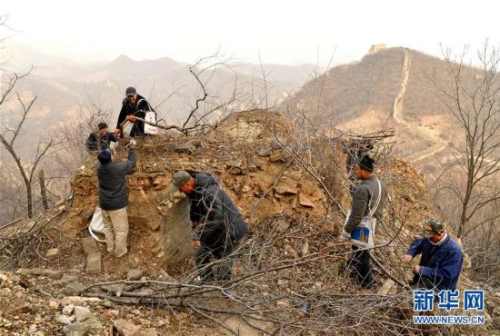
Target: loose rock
point(82, 313)
point(134, 274)
point(68, 310)
point(127, 328)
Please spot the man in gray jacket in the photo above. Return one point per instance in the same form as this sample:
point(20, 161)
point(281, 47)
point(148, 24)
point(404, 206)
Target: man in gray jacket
point(368, 198)
point(217, 223)
point(113, 198)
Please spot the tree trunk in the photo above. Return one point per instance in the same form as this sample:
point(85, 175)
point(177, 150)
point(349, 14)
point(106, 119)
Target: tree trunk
point(30, 200)
point(43, 190)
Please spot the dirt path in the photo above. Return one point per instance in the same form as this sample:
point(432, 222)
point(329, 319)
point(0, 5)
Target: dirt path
point(397, 114)
point(419, 156)
point(398, 102)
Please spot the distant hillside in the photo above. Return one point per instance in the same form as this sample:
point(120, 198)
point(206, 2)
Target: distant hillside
point(124, 68)
point(68, 91)
point(349, 90)
point(390, 88)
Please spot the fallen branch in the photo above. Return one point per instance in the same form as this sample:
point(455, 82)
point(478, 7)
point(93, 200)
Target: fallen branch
point(380, 135)
point(11, 223)
point(120, 300)
point(56, 215)
point(386, 272)
point(171, 285)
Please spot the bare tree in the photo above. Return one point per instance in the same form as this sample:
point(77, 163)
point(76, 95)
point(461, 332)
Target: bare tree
point(472, 96)
point(74, 153)
point(208, 111)
point(9, 135)
point(3, 24)
point(11, 201)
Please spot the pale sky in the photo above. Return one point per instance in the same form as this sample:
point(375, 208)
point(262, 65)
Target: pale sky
point(285, 32)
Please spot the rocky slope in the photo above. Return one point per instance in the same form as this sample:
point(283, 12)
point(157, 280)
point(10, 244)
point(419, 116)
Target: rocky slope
point(290, 277)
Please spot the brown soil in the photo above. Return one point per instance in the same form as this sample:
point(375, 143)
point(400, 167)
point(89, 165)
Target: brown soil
point(246, 153)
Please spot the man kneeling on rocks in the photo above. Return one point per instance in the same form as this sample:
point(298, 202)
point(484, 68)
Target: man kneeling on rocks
point(217, 224)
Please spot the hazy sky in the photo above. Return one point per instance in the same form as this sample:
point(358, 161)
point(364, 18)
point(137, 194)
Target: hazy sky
point(286, 32)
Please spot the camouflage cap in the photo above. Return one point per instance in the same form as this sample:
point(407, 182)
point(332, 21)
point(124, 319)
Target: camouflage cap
point(436, 225)
point(179, 178)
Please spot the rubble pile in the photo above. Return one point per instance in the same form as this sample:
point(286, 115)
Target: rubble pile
point(247, 154)
point(43, 302)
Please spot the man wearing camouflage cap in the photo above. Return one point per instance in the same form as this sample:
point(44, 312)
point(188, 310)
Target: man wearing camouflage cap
point(217, 224)
point(441, 261)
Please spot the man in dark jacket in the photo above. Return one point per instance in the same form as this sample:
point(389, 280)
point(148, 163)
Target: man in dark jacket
point(100, 139)
point(368, 198)
point(217, 223)
point(134, 105)
point(113, 198)
point(441, 261)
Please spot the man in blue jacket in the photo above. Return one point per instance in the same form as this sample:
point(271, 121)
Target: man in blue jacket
point(113, 198)
point(217, 224)
point(441, 261)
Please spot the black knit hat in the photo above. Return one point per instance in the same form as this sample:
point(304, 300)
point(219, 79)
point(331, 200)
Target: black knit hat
point(104, 156)
point(366, 163)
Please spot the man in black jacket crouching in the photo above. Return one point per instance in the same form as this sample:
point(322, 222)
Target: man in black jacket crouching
point(217, 224)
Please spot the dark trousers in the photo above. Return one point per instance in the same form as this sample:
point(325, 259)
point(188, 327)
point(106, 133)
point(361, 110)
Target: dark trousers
point(360, 263)
point(203, 257)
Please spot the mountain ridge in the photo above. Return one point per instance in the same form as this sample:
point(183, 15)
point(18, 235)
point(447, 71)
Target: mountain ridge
point(370, 94)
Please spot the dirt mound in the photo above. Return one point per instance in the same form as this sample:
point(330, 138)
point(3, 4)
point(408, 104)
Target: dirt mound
point(244, 153)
